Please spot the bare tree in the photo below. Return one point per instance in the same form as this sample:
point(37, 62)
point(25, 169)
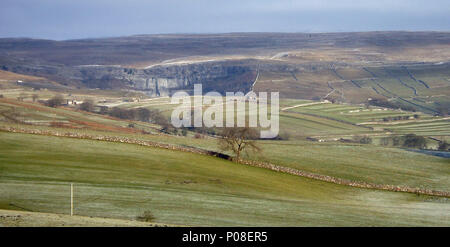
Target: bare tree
point(21, 97)
point(35, 97)
point(238, 140)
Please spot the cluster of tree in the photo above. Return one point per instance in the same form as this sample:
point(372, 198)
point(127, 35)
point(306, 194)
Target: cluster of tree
point(363, 139)
point(56, 101)
point(87, 105)
point(388, 104)
point(409, 141)
point(444, 146)
point(396, 118)
point(11, 115)
point(414, 141)
point(356, 139)
point(141, 114)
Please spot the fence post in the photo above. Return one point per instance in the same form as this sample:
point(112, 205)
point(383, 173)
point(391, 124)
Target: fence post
point(71, 199)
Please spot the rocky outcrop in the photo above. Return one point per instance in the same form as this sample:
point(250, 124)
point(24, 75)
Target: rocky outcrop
point(161, 80)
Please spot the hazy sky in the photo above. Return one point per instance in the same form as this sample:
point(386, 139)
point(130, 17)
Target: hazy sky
point(68, 19)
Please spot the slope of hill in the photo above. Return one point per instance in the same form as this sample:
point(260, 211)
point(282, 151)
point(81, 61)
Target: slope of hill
point(408, 68)
point(349, 101)
point(122, 180)
point(354, 161)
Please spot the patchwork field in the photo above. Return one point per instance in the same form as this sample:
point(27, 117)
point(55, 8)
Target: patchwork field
point(341, 113)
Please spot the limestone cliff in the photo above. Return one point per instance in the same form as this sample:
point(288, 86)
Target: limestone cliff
point(160, 80)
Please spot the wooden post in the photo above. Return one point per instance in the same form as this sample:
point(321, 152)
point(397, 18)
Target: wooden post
point(71, 199)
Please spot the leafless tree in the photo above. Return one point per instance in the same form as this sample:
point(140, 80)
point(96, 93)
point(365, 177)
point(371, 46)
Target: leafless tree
point(21, 97)
point(35, 97)
point(238, 140)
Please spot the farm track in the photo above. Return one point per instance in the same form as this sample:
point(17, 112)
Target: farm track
point(256, 79)
point(265, 165)
point(306, 104)
point(334, 90)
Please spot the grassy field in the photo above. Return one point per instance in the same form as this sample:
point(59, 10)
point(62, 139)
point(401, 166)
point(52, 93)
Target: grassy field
point(421, 87)
point(348, 115)
point(325, 82)
point(122, 180)
point(369, 163)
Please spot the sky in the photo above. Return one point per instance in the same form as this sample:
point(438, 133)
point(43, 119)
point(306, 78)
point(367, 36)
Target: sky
point(73, 19)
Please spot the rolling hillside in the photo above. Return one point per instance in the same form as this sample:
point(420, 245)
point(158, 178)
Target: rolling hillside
point(121, 180)
point(349, 102)
point(407, 69)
